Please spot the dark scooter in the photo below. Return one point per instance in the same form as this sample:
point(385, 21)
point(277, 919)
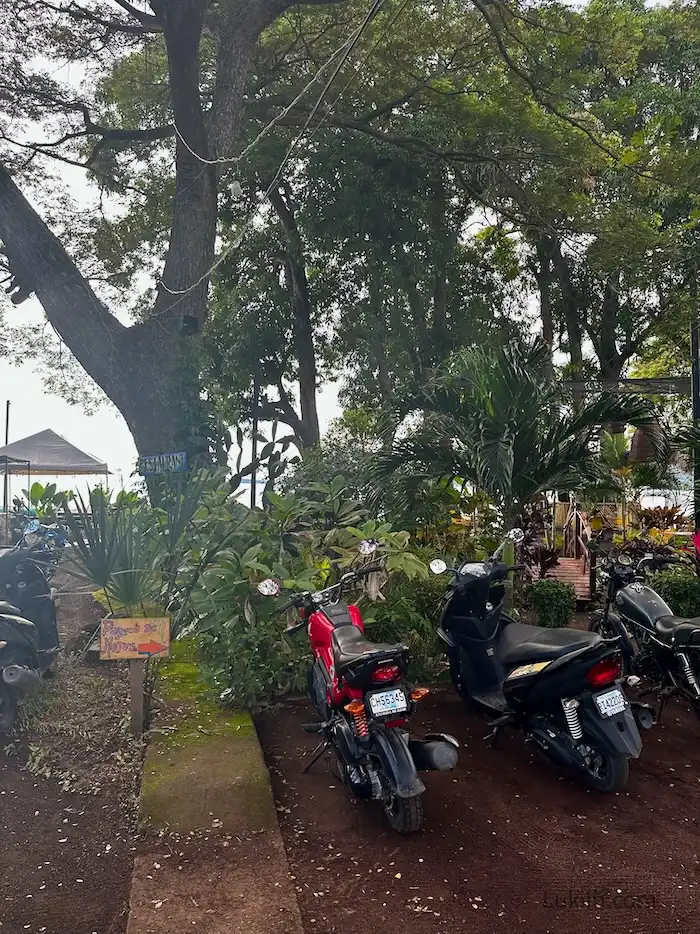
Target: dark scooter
point(658, 647)
point(28, 631)
point(360, 692)
point(561, 687)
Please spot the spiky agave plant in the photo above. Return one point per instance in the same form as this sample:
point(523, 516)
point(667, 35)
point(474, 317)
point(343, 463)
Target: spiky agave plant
point(96, 534)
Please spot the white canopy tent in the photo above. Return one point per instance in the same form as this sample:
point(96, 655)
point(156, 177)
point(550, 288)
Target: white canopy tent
point(46, 454)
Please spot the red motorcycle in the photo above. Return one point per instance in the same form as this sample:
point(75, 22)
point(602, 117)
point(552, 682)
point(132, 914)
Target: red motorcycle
point(360, 692)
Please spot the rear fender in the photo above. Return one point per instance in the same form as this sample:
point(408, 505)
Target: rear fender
point(390, 746)
point(618, 734)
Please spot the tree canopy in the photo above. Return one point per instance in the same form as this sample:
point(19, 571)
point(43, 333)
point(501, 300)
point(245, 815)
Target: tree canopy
point(472, 172)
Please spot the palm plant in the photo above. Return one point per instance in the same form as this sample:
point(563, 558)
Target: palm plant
point(96, 535)
point(135, 578)
point(499, 420)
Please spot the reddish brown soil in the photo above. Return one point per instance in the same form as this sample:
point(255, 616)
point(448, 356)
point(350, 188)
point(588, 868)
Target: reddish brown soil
point(508, 844)
point(66, 858)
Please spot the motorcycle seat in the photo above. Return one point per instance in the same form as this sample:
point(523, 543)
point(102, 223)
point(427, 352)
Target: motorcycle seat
point(350, 646)
point(338, 614)
point(678, 630)
point(521, 644)
point(8, 609)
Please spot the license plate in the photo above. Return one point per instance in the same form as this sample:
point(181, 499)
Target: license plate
point(610, 703)
point(388, 702)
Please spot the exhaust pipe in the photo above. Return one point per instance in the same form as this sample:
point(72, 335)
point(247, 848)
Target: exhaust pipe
point(21, 678)
point(643, 715)
point(436, 753)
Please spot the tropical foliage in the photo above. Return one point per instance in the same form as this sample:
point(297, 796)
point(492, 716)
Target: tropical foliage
point(500, 422)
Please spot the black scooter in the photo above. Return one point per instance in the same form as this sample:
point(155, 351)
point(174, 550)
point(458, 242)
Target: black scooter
point(561, 687)
point(658, 647)
point(28, 631)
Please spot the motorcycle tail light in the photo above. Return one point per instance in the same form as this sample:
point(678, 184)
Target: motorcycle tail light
point(385, 673)
point(605, 672)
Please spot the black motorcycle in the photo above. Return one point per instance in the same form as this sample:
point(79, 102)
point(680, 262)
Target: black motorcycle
point(561, 687)
point(28, 631)
point(657, 646)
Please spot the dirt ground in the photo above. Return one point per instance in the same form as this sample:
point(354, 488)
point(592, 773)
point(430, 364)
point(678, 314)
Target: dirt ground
point(67, 823)
point(508, 844)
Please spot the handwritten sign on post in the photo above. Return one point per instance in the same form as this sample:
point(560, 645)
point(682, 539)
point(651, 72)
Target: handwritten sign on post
point(134, 638)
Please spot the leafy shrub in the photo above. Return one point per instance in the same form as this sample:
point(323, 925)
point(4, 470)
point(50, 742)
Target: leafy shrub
point(680, 588)
point(410, 614)
point(553, 601)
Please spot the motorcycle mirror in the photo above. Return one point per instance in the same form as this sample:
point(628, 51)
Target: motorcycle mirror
point(516, 536)
point(367, 547)
point(438, 566)
point(269, 587)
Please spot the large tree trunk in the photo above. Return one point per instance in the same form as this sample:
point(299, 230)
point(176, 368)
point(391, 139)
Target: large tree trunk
point(140, 368)
point(149, 370)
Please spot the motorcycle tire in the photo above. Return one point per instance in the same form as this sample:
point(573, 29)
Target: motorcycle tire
point(609, 773)
point(8, 710)
point(405, 815)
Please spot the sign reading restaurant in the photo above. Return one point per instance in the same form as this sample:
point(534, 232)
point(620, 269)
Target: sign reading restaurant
point(163, 463)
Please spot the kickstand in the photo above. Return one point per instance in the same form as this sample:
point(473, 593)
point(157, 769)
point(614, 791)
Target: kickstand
point(665, 695)
point(316, 755)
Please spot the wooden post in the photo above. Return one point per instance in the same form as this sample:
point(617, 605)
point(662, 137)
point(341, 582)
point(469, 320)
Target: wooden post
point(137, 674)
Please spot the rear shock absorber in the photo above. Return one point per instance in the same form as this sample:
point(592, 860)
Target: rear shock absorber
point(689, 673)
point(573, 721)
point(359, 715)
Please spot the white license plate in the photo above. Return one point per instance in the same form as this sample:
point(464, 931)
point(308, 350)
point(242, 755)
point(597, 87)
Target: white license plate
point(388, 702)
point(611, 702)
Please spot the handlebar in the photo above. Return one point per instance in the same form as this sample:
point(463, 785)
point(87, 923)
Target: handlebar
point(298, 599)
point(647, 561)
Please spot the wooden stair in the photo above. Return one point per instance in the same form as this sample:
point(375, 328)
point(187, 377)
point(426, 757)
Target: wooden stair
point(573, 571)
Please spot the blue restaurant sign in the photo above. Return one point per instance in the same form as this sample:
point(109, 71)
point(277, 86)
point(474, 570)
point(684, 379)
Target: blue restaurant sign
point(163, 463)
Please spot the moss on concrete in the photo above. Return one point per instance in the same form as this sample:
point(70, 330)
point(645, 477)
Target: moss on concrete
point(209, 772)
point(179, 675)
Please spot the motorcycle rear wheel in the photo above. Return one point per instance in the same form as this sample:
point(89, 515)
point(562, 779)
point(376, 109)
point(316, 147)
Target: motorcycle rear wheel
point(8, 710)
point(405, 815)
point(607, 773)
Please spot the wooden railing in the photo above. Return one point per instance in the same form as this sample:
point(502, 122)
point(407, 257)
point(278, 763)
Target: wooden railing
point(577, 540)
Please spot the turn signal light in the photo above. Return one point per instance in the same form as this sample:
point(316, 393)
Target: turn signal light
point(419, 693)
point(385, 673)
point(2, 645)
point(605, 672)
point(355, 707)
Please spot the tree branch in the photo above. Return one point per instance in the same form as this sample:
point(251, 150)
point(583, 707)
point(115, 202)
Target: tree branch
point(111, 25)
point(146, 19)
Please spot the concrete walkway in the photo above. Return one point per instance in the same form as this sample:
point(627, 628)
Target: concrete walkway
point(213, 859)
